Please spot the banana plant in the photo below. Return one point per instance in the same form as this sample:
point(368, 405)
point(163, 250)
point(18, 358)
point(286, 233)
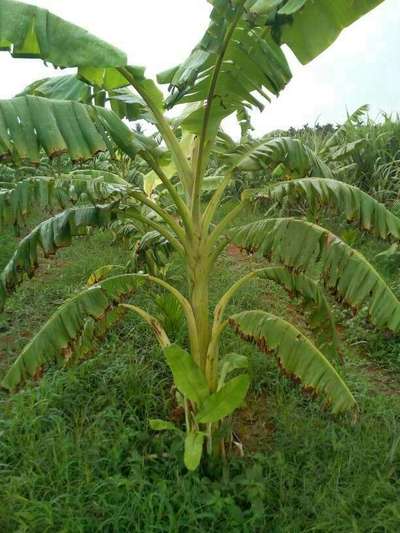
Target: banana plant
point(238, 63)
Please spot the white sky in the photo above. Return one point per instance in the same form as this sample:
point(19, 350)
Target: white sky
point(361, 67)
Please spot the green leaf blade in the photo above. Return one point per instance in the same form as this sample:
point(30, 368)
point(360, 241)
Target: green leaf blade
point(193, 450)
point(157, 424)
point(225, 401)
point(36, 33)
point(357, 205)
point(304, 246)
point(188, 377)
point(314, 25)
point(296, 356)
point(72, 327)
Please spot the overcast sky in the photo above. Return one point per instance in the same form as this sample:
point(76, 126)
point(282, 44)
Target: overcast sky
point(361, 67)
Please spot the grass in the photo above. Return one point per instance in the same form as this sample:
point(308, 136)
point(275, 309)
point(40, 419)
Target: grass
point(76, 453)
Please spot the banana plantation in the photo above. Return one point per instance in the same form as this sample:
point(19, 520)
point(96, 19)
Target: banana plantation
point(198, 330)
